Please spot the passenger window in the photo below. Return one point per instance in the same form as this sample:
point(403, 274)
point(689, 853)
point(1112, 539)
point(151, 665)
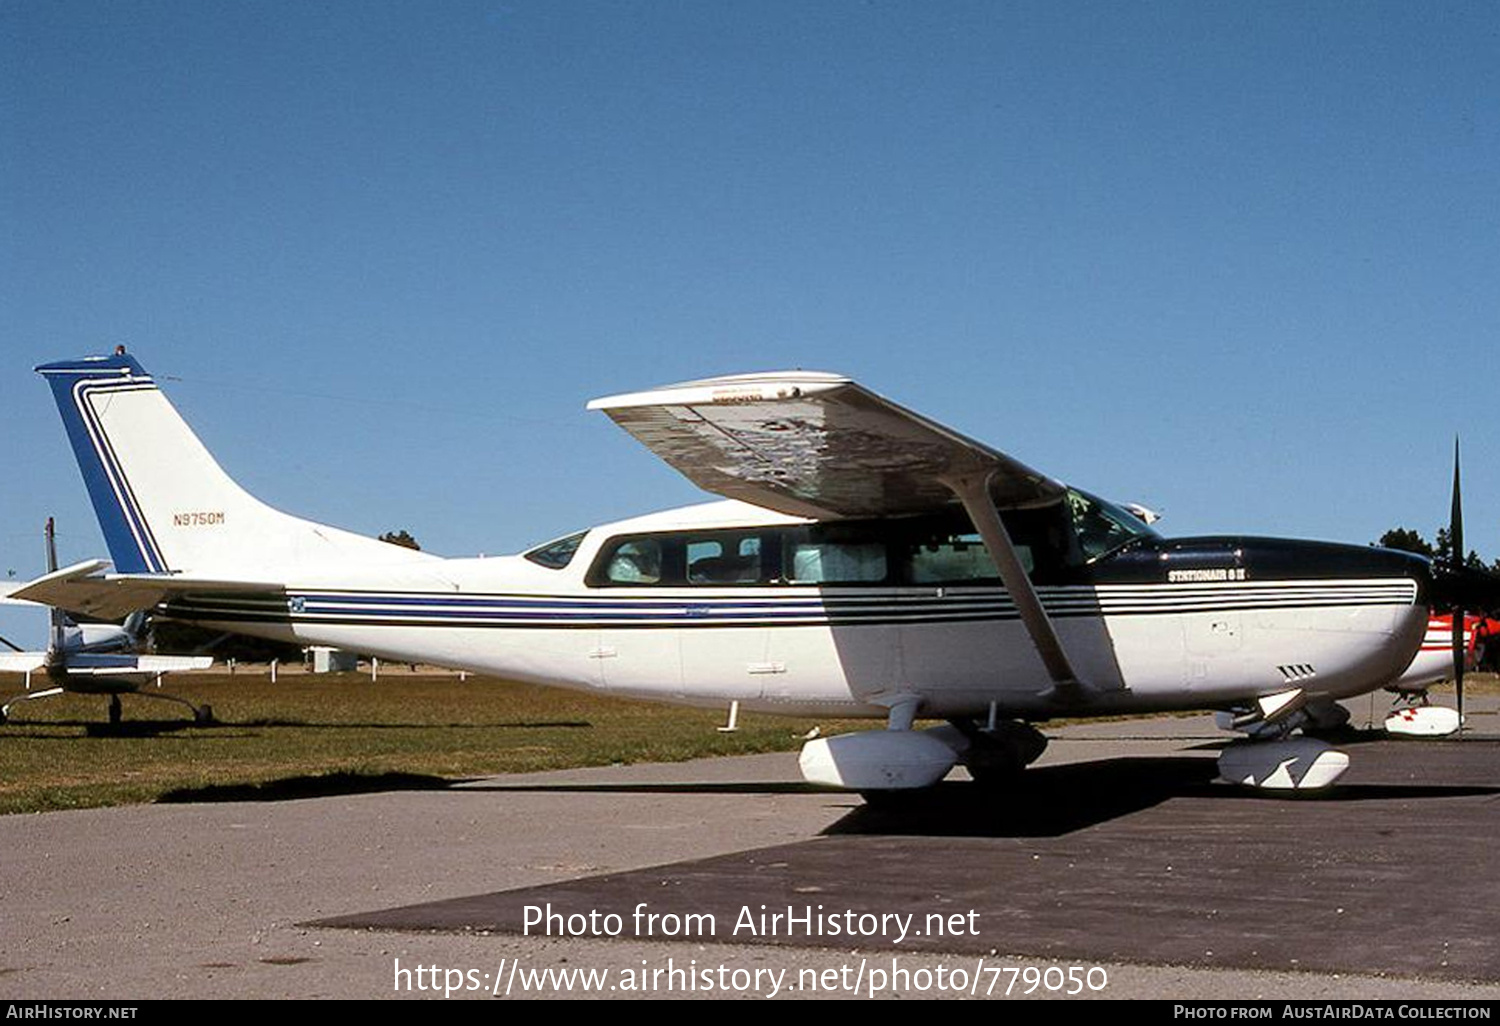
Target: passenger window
point(831, 562)
point(724, 559)
point(635, 562)
point(958, 558)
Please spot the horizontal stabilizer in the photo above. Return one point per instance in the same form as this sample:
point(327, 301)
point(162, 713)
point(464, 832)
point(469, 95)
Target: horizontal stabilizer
point(109, 665)
point(82, 589)
point(7, 594)
point(22, 662)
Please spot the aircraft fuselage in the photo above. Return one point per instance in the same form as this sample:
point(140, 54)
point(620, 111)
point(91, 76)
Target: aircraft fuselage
point(1157, 624)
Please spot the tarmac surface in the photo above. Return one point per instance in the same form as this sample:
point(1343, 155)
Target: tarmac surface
point(1121, 857)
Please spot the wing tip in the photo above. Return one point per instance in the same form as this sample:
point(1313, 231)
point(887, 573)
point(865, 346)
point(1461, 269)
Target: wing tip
point(760, 386)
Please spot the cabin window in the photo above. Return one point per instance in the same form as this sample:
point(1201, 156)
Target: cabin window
point(941, 549)
point(837, 553)
point(955, 557)
point(635, 561)
point(724, 558)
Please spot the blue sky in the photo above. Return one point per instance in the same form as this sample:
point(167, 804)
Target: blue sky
point(1235, 261)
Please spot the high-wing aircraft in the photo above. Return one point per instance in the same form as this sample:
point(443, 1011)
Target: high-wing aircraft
point(868, 562)
point(96, 658)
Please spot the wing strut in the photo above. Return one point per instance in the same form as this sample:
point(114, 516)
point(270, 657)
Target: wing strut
point(973, 490)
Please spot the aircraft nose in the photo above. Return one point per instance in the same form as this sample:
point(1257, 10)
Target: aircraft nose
point(1394, 563)
point(1464, 587)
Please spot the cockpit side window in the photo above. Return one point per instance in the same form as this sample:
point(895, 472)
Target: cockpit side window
point(1043, 540)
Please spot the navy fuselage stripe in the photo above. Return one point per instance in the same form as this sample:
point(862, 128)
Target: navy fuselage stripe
point(545, 612)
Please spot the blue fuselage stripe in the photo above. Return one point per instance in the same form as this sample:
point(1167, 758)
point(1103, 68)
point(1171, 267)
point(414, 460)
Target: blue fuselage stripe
point(372, 609)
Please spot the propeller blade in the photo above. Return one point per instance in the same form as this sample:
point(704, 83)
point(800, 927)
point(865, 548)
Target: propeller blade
point(1456, 539)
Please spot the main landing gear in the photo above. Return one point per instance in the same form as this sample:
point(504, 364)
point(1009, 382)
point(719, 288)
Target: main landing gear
point(882, 764)
point(1272, 759)
point(203, 715)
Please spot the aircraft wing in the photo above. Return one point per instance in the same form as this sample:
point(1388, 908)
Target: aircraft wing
point(819, 445)
point(816, 445)
point(22, 662)
point(81, 588)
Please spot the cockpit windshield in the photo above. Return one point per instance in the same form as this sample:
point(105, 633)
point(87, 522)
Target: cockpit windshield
point(1102, 527)
point(555, 555)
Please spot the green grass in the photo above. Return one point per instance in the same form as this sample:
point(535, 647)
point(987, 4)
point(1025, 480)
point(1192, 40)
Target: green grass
point(60, 753)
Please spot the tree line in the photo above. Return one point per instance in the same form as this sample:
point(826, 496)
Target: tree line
point(1407, 540)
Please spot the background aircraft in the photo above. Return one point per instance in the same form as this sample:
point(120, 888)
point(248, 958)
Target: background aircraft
point(96, 659)
point(1433, 664)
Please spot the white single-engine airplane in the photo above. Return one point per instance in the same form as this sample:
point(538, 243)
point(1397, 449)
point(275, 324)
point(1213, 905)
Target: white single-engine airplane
point(870, 562)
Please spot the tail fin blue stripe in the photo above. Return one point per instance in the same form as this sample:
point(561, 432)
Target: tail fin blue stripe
point(126, 532)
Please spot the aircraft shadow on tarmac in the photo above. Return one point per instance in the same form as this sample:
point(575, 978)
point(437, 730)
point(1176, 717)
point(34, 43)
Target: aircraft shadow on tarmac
point(327, 785)
point(1056, 800)
point(1047, 801)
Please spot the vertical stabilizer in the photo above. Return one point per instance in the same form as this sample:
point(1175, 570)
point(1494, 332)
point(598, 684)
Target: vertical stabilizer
point(163, 502)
